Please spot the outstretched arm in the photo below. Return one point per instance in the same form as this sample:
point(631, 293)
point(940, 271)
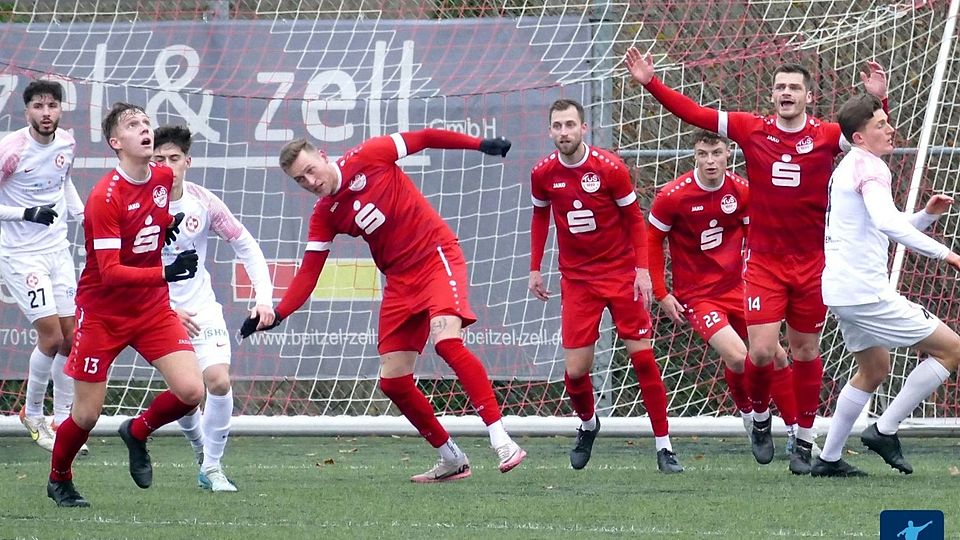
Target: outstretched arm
point(303, 283)
point(411, 142)
point(937, 205)
point(691, 112)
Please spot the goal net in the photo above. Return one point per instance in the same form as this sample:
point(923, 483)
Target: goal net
point(247, 76)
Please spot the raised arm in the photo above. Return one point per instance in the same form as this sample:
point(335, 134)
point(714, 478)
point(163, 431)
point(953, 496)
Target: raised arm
point(642, 69)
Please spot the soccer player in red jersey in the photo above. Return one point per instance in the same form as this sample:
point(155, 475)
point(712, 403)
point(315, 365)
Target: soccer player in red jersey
point(122, 300)
point(603, 264)
point(703, 216)
point(366, 194)
point(789, 157)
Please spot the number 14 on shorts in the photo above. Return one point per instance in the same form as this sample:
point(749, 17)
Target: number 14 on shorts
point(753, 303)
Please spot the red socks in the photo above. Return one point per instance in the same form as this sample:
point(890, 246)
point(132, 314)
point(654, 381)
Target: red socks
point(164, 409)
point(580, 392)
point(473, 377)
point(738, 389)
point(70, 437)
point(782, 390)
point(758, 384)
point(403, 392)
point(807, 381)
point(652, 391)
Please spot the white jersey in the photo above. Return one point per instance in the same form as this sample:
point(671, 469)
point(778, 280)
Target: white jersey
point(204, 212)
point(861, 221)
point(34, 174)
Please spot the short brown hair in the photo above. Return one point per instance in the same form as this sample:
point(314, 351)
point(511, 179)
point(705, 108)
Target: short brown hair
point(708, 137)
point(112, 119)
point(564, 104)
point(856, 112)
point(290, 151)
point(796, 68)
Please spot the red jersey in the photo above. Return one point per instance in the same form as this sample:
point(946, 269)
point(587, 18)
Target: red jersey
point(600, 228)
point(704, 228)
point(789, 172)
point(124, 228)
point(377, 201)
point(789, 176)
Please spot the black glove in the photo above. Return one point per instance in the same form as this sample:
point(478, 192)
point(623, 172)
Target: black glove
point(495, 147)
point(183, 267)
point(43, 215)
point(173, 230)
point(249, 325)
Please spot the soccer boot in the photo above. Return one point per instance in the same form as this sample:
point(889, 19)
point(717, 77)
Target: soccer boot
point(510, 456)
point(667, 462)
point(39, 430)
point(215, 481)
point(888, 446)
point(141, 470)
point(836, 469)
point(65, 494)
point(84, 449)
point(761, 441)
point(800, 458)
point(444, 471)
point(580, 454)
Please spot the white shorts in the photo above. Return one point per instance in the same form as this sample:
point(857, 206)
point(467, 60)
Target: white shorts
point(42, 284)
point(213, 343)
point(891, 323)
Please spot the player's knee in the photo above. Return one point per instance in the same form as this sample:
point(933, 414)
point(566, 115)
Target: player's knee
point(575, 372)
point(50, 344)
point(763, 353)
point(191, 394)
point(85, 417)
point(734, 362)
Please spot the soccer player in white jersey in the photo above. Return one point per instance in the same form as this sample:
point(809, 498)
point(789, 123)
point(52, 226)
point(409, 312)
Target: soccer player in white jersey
point(36, 193)
point(197, 306)
point(873, 317)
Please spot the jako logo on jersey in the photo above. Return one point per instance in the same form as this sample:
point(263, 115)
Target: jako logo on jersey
point(771, 138)
point(148, 238)
point(698, 208)
point(711, 237)
point(805, 145)
point(784, 173)
point(559, 185)
point(581, 220)
point(359, 182)
point(160, 196)
point(728, 204)
point(333, 207)
point(133, 206)
point(369, 218)
point(590, 182)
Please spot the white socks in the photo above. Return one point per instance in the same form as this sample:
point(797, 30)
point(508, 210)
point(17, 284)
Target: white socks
point(589, 425)
point(39, 376)
point(850, 404)
point(922, 381)
point(190, 426)
point(663, 442)
point(62, 390)
point(216, 428)
point(450, 452)
point(498, 435)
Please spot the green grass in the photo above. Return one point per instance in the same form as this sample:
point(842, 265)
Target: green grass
point(310, 487)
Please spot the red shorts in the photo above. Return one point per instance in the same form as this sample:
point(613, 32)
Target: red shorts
point(582, 303)
point(100, 338)
point(707, 317)
point(779, 287)
point(439, 287)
